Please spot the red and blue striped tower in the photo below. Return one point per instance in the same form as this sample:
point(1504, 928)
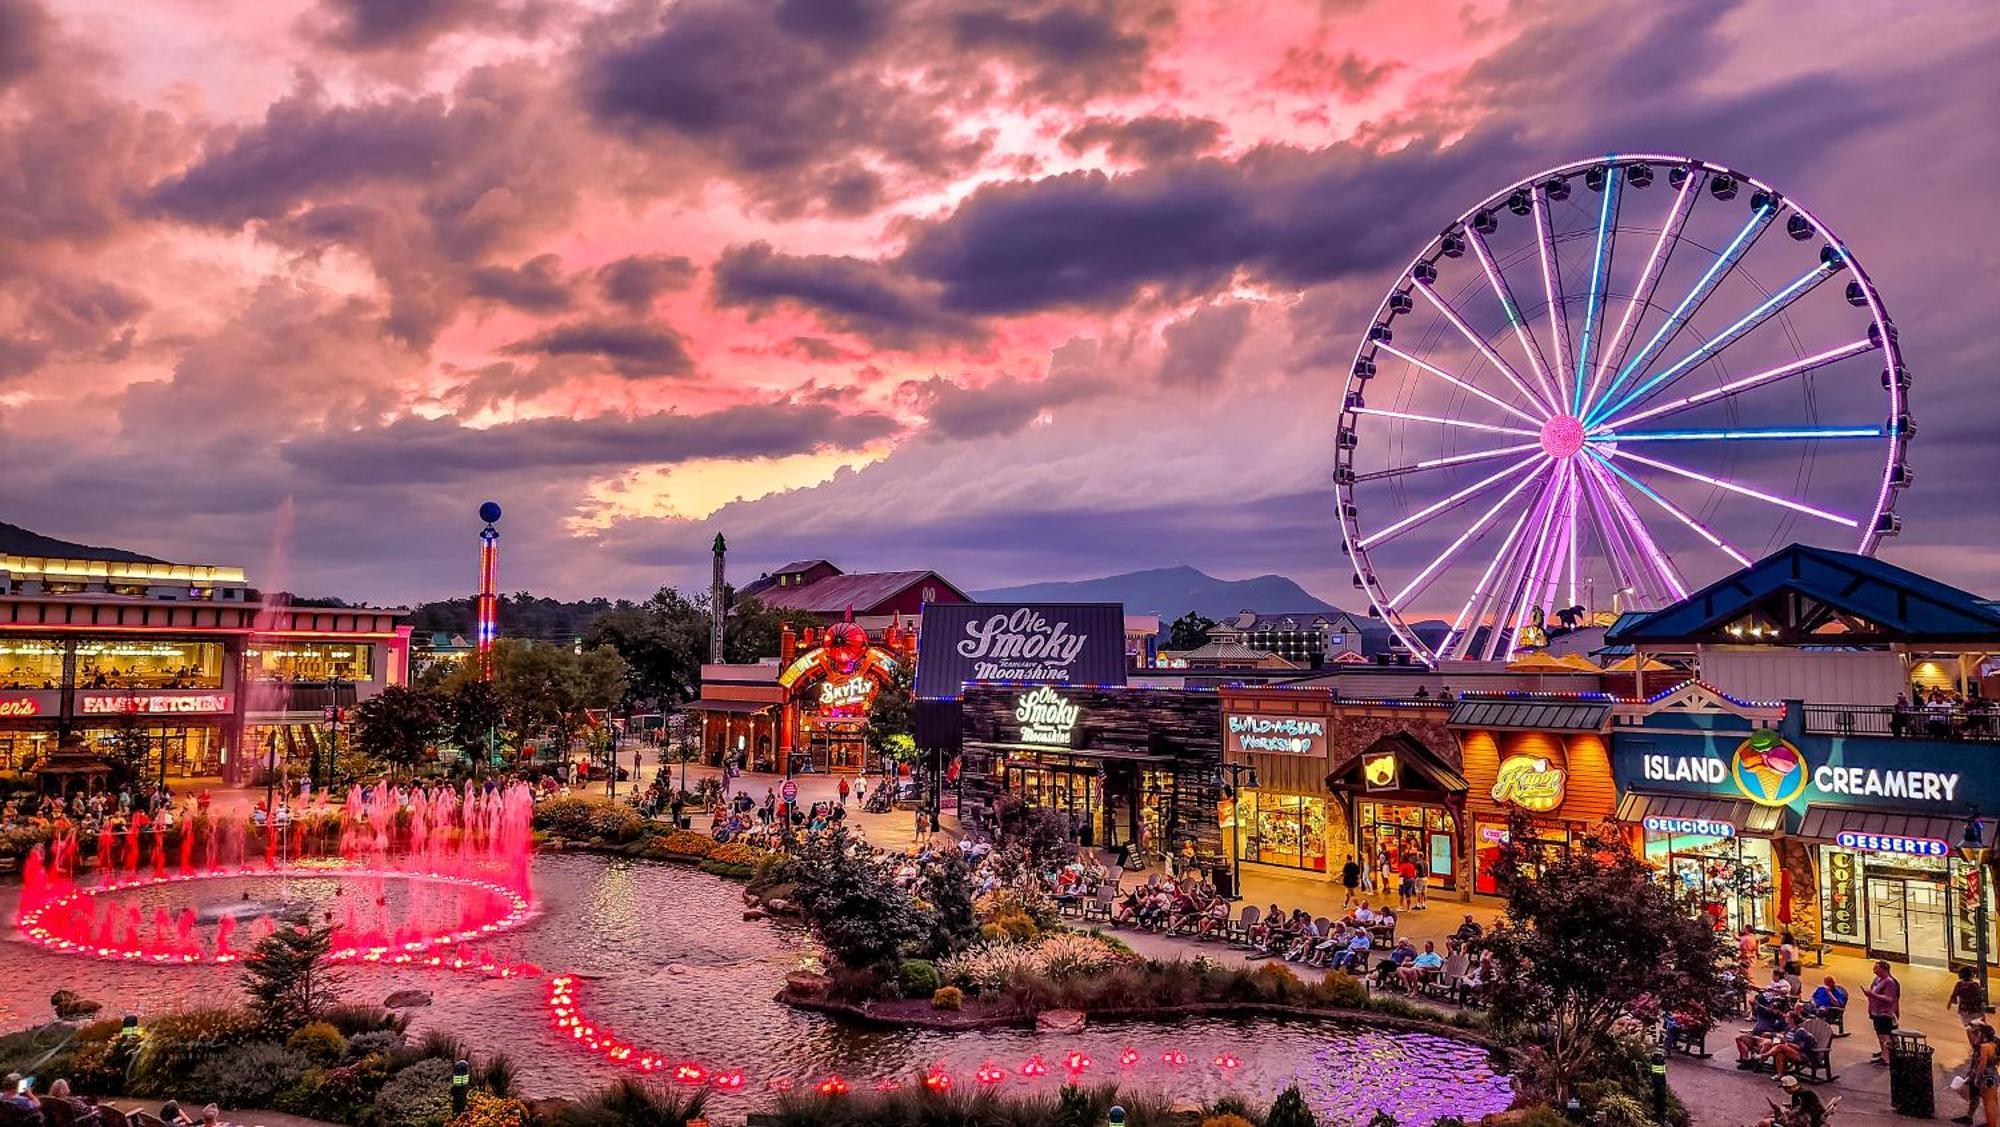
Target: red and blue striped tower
point(489, 602)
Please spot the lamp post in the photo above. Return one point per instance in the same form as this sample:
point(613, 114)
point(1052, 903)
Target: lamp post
point(1236, 771)
point(1975, 849)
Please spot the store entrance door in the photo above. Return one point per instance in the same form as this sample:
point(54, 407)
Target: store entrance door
point(1888, 918)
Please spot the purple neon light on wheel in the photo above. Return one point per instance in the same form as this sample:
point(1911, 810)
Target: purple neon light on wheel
point(1603, 387)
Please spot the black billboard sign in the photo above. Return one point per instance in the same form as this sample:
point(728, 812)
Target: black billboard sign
point(1019, 643)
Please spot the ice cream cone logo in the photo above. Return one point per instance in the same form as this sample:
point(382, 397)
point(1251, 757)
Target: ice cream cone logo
point(1768, 770)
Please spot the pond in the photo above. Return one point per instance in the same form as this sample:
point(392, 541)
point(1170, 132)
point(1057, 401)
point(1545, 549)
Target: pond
point(663, 957)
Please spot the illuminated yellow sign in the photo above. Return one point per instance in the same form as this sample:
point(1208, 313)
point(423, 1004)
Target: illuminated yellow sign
point(1378, 772)
point(1529, 782)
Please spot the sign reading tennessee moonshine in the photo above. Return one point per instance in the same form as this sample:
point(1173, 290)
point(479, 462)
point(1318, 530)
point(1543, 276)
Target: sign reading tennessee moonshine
point(1081, 644)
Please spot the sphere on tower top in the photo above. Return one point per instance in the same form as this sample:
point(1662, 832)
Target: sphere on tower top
point(489, 512)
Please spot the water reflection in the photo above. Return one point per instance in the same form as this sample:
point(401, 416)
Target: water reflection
point(664, 958)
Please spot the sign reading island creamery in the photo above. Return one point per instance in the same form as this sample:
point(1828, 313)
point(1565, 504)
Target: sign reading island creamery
point(1280, 735)
point(1771, 770)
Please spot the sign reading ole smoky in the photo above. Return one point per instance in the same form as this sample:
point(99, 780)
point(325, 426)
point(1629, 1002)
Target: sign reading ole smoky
point(1019, 643)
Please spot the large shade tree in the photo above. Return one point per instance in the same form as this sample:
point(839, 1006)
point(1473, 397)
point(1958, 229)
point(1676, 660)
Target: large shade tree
point(400, 724)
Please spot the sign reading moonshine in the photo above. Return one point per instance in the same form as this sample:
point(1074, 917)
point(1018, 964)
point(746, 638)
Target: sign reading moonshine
point(1019, 643)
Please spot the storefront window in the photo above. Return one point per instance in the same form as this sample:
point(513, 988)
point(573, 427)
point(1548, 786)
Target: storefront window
point(1549, 843)
point(1391, 831)
point(20, 750)
point(1281, 829)
point(1731, 876)
point(148, 664)
point(1897, 906)
point(309, 662)
point(189, 753)
point(30, 663)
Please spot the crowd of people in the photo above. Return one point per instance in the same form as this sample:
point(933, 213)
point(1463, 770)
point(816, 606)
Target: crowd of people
point(22, 1106)
point(94, 810)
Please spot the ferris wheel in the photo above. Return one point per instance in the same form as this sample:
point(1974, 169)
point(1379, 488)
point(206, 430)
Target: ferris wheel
point(1605, 386)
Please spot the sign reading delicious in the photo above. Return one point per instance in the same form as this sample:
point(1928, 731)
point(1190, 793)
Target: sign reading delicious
point(1019, 643)
point(1290, 735)
point(152, 704)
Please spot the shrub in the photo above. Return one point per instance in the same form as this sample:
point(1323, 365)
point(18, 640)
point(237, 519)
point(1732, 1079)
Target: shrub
point(439, 1044)
point(482, 1110)
point(1040, 910)
point(290, 976)
point(496, 1075)
point(738, 853)
point(1381, 1118)
point(682, 843)
point(1226, 1121)
point(246, 1077)
point(100, 1030)
point(917, 978)
point(1017, 926)
point(1341, 991)
point(353, 1020)
point(178, 1043)
point(588, 817)
point(373, 1042)
point(947, 998)
point(337, 1095)
point(418, 1096)
point(631, 1103)
point(99, 1066)
point(1290, 1110)
point(854, 984)
point(319, 1042)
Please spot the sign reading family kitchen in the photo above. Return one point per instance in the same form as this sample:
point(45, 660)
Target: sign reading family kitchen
point(1769, 771)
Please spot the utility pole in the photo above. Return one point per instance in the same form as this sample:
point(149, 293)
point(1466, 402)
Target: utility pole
point(718, 599)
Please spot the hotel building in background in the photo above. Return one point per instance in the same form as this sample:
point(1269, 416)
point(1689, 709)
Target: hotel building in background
point(116, 648)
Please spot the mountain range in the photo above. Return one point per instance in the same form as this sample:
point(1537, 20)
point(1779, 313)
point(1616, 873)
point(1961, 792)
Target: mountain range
point(1169, 592)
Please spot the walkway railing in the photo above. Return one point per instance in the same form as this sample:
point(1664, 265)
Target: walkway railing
point(1912, 723)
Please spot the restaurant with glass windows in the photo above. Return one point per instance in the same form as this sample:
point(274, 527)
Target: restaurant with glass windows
point(1407, 803)
point(1545, 756)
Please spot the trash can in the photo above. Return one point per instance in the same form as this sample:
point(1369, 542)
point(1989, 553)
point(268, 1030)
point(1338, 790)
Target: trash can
point(1912, 1090)
point(1224, 881)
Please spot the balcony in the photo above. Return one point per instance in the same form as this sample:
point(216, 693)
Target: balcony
point(299, 696)
point(1913, 723)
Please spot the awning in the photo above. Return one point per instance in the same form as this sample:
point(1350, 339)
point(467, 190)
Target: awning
point(1530, 715)
point(1827, 823)
point(741, 707)
point(1414, 761)
point(1742, 816)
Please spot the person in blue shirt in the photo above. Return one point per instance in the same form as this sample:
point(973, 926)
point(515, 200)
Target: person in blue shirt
point(1829, 995)
point(1420, 967)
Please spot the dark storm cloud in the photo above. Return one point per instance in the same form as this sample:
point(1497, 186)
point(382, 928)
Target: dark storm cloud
point(1068, 50)
point(1201, 345)
point(378, 25)
point(305, 147)
point(1152, 139)
point(435, 450)
point(1312, 69)
point(23, 27)
point(635, 351)
point(535, 286)
point(1000, 407)
point(787, 96)
point(634, 281)
point(856, 295)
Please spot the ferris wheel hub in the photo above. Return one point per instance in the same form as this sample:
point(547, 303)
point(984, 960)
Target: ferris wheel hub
point(1562, 436)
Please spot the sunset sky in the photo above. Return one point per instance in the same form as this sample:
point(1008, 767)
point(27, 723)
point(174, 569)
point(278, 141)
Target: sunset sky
point(1020, 290)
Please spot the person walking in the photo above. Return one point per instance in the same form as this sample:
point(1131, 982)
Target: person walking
point(1350, 879)
point(1885, 1005)
point(1982, 1076)
point(1968, 1002)
point(843, 788)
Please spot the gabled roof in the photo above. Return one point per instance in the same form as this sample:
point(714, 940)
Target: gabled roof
point(1820, 596)
point(1289, 620)
point(862, 591)
point(797, 566)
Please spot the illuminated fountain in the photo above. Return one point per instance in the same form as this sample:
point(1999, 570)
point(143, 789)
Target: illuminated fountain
point(461, 857)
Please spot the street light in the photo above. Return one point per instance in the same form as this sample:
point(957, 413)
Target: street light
point(1236, 771)
point(1975, 849)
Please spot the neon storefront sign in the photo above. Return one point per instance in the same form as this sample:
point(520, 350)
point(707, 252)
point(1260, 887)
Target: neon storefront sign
point(1046, 717)
point(152, 704)
point(1778, 774)
point(846, 694)
point(1688, 827)
point(1529, 782)
point(1891, 843)
point(19, 708)
point(1290, 735)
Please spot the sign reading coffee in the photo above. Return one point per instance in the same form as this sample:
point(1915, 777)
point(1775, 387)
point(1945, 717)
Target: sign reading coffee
point(1288, 735)
point(1019, 643)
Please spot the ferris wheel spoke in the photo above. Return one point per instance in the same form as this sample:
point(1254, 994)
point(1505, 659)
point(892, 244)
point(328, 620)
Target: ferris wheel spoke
point(1798, 433)
point(1478, 343)
point(1673, 510)
point(1494, 583)
point(1479, 589)
point(1733, 487)
point(1552, 288)
point(1771, 307)
point(1618, 549)
point(1422, 580)
point(1548, 557)
point(1649, 280)
point(1463, 424)
point(1433, 369)
point(1524, 335)
point(1796, 367)
point(1723, 265)
point(1439, 507)
point(1518, 582)
point(1600, 265)
point(1450, 460)
point(1649, 550)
